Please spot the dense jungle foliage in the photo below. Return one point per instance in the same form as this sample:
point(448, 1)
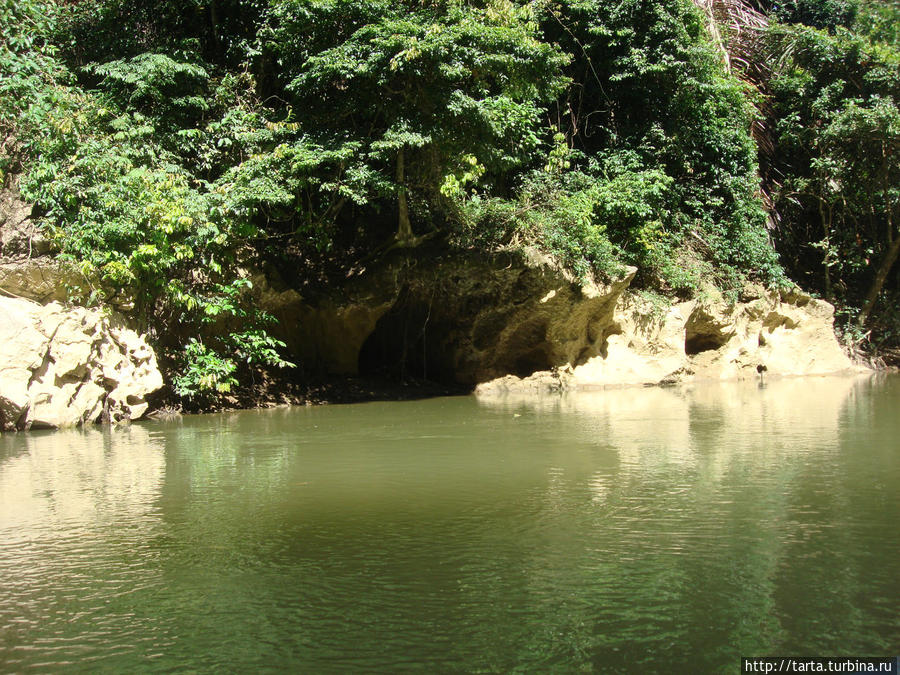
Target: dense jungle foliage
point(170, 145)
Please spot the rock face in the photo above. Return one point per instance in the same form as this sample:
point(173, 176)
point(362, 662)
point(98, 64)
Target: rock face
point(68, 366)
point(40, 279)
point(773, 333)
point(27, 270)
point(515, 321)
point(18, 234)
point(769, 334)
point(60, 366)
point(461, 317)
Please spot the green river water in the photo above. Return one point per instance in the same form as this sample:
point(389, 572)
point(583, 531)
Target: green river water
point(626, 530)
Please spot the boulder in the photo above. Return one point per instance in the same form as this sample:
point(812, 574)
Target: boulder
point(65, 366)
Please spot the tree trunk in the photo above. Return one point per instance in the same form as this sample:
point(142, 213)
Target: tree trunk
point(403, 237)
point(404, 229)
point(214, 23)
point(826, 261)
point(712, 27)
point(886, 193)
point(890, 257)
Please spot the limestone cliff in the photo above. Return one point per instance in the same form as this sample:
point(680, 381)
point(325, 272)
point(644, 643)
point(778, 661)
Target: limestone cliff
point(770, 335)
point(60, 365)
point(466, 317)
point(515, 320)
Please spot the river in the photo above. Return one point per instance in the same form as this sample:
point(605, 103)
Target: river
point(654, 530)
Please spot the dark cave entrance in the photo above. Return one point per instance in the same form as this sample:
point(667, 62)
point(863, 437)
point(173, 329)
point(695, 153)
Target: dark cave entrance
point(410, 343)
point(703, 333)
point(696, 343)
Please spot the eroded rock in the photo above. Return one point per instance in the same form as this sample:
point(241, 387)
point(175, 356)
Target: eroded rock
point(40, 279)
point(68, 366)
point(464, 317)
point(771, 335)
point(517, 321)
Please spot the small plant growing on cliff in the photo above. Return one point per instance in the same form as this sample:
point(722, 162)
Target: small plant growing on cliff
point(257, 347)
point(205, 372)
point(657, 305)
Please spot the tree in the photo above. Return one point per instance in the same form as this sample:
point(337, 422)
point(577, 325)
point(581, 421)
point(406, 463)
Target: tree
point(433, 97)
point(863, 139)
point(649, 90)
point(837, 133)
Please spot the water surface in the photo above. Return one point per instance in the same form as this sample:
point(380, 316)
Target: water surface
point(612, 531)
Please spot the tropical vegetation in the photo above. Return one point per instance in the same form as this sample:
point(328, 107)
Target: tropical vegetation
point(171, 146)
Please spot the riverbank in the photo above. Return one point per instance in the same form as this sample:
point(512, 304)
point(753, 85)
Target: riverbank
point(439, 321)
point(277, 390)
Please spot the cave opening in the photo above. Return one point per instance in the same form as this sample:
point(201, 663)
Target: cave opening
point(530, 362)
point(695, 343)
point(409, 343)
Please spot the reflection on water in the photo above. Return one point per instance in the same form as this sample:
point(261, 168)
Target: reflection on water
point(610, 531)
